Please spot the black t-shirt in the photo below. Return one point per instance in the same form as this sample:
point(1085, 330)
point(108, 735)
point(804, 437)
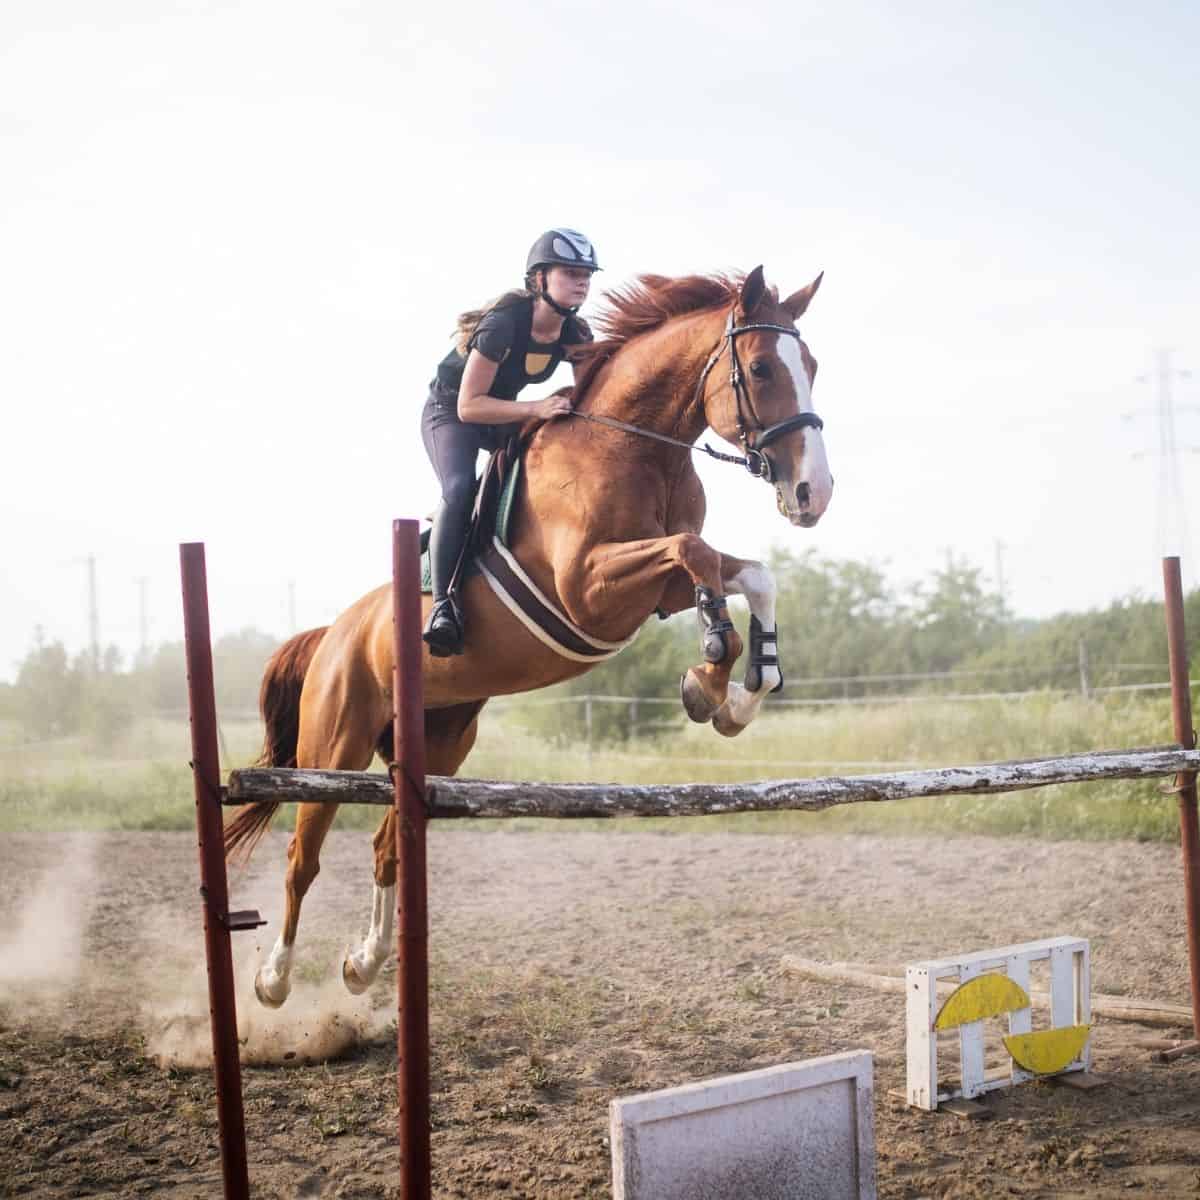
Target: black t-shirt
point(504, 335)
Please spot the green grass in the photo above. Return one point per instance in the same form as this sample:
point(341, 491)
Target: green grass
point(143, 780)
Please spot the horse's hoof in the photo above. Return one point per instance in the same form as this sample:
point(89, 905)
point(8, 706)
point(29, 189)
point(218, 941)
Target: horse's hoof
point(696, 702)
point(724, 723)
point(355, 984)
point(267, 998)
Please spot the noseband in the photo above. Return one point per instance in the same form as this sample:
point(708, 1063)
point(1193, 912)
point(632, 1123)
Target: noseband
point(756, 462)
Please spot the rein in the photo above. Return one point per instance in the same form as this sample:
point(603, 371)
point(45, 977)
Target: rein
point(613, 423)
point(754, 460)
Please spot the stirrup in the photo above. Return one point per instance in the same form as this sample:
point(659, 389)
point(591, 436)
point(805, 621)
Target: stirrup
point(758, 659)
point(712, 627)
point(444, 630)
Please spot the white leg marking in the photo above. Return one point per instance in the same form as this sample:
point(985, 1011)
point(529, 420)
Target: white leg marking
point(273, 974)
point(377, 945)
point(757, 584)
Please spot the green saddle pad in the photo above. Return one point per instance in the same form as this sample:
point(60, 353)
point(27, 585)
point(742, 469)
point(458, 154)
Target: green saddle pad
point(504, 507)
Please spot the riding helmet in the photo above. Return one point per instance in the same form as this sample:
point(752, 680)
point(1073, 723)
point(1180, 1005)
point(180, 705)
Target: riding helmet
point(562, 248)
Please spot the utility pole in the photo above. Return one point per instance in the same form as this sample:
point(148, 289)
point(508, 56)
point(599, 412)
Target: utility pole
point(143, 620)
point(1171, 523)
point(93, 613)
point(1000, 548)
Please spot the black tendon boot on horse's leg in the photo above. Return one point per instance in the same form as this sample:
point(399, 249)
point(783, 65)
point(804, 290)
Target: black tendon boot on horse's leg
point(715, 629)
point(764, 652)
point(444, 629)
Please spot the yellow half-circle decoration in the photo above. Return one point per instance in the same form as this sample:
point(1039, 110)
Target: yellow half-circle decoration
point(1048, 1050)
point(984, 996)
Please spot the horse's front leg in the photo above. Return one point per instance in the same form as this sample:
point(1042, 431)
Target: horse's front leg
point(763, 674)
point(673, 573)
point(704, 688)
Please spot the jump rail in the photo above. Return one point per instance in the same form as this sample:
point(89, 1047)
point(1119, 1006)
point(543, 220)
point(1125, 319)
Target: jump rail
point(460, 798)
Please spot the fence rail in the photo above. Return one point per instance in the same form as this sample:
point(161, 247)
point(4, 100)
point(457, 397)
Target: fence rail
point(458, 798)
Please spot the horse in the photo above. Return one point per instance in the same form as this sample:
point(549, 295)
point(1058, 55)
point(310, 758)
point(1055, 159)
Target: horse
point(606, 526)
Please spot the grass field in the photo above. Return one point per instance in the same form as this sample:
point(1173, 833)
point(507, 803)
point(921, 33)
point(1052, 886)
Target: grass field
point(143, 781)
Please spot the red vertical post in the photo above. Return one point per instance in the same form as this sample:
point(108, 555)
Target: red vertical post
point(1189, 830)
point(214, 888)
point(412, 916)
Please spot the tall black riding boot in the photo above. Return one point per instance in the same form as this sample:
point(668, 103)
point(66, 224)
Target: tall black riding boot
point(444, 629)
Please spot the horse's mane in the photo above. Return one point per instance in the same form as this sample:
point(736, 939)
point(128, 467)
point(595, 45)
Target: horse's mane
point(646, 304)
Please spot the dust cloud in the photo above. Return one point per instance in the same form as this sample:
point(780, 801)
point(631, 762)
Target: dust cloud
point(318, 1022)
point(42, 947)
point(91, 939)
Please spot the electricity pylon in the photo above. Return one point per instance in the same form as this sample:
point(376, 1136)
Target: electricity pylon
point(1172, 530)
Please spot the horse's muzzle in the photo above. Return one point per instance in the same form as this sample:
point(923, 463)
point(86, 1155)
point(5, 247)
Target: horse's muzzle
point(801, 512)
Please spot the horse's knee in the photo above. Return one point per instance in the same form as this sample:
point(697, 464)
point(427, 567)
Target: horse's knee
point(699, 559)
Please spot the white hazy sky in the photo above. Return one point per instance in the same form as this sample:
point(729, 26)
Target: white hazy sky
point(234, 236)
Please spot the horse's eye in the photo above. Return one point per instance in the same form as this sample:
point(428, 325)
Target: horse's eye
point(760, 370)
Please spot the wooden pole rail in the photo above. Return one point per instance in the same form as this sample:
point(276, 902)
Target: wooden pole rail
point(455, 798)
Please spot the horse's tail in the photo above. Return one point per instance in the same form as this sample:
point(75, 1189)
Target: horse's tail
point(279, 703)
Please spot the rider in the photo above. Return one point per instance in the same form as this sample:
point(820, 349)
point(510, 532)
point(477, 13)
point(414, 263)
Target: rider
point(516, 340)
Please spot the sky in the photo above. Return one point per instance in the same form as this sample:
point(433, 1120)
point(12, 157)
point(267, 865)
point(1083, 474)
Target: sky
point(234, 238)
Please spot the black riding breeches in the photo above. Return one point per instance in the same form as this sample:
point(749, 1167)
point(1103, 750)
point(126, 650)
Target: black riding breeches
point(453, 447)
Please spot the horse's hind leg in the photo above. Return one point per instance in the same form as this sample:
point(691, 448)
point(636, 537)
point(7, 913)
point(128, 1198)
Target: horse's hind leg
point(350, 750)
point(449, 736)
point(272, 982)
point(360, 967)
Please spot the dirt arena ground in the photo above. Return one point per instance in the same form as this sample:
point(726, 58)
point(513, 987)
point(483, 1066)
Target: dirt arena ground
point(568, 968)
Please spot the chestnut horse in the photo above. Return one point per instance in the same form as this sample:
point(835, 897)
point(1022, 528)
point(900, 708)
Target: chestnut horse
point(607, 525)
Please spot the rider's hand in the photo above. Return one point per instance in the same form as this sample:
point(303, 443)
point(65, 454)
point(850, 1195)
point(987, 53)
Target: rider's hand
point(557, 405)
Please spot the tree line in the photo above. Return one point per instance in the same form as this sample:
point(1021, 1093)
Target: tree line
point(55, 695)
point(837, 618)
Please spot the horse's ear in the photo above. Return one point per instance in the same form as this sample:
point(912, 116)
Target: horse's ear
point(754, 289)
point(797, 302)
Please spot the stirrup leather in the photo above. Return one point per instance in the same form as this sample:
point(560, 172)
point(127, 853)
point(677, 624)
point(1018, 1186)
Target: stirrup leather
point(759, 659)
point(712, 627)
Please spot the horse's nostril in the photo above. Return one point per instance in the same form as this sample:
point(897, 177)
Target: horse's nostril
point(802, 496)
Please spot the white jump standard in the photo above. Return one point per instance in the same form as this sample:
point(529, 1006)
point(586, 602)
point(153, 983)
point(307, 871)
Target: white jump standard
point(995, 983)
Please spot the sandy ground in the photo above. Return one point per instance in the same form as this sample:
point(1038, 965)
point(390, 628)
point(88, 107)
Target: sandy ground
point(567, 969)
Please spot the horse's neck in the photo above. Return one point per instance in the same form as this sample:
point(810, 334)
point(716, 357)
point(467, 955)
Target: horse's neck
point(653, 382)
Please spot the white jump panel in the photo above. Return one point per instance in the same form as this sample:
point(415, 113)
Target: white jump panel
point(929, 984)
point(801, 1131)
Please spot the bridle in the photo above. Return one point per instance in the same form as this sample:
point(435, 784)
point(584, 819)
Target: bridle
point(754, 460)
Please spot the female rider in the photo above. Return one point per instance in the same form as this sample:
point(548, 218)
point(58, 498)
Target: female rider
point(516, 340)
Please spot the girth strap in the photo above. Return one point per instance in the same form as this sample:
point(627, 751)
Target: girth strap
point(540, 615)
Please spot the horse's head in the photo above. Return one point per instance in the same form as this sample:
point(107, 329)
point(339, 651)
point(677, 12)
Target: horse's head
point(760, 397)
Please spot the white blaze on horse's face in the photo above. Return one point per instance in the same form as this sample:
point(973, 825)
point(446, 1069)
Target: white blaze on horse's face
point(802, 489)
